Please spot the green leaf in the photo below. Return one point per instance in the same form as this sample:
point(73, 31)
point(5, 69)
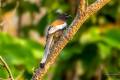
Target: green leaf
point(20, 52)
point(9, 6)
point(42, 24)
point(104, 50)
point(112, 37)
point(90, 36)
point(27, 6)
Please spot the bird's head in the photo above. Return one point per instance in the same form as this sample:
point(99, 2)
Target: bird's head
point(64, 16)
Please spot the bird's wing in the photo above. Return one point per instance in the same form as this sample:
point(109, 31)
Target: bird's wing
point(56, 28)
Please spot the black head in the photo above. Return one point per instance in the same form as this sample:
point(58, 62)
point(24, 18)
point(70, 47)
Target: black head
point(64, 16)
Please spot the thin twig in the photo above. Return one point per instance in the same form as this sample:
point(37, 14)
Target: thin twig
point(7, 68)
point(80, 18)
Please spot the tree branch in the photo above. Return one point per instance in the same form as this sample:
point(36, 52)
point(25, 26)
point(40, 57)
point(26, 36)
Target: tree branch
point(82, 5)
point(81, 16)
point(7, 68)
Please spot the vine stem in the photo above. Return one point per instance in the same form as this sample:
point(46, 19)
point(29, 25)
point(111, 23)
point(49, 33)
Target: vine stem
point(7, 68)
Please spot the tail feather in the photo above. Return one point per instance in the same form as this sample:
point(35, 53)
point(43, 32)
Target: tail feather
point(47, 47)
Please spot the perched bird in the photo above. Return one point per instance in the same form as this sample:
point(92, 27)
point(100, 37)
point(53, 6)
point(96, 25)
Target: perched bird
point(55, 30)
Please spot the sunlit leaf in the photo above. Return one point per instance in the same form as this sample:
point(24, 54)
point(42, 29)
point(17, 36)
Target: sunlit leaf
point(104, 50)
point(19, 52)
point(112, 37)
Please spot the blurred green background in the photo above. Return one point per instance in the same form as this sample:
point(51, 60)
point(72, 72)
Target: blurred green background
point(93, 53)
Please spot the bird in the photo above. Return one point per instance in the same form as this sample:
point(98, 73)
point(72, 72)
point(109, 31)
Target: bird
point(55, 30)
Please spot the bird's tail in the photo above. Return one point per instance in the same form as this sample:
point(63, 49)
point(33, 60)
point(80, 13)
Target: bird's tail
point(47, 50)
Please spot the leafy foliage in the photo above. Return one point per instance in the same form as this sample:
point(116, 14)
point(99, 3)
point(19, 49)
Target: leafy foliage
point(19, 53)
